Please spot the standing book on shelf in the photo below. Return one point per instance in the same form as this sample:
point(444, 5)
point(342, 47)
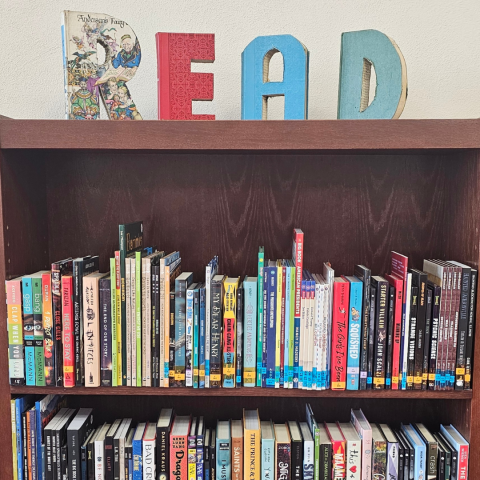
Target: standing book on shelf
point(67, 332)
point(353, 448)
point(164, 426)
point(239, 330)
point(189, 334)
point(392, 452)
point(211, 271)
point(308, 452)
point(217, 294)
point(431, 451)
point(338, 446)
point(315, 431)
point(148, 451)
point(252, 438)
point(354, 333)
point(412, 338)
point(341, 289)
point(192, 450)
point(105, 298)
point(77, 433)
point(178, 448)
point(15, 332)
point(113, 323)
point(390, 336)
point(419, 462)
point(250, 331)
point(379, 453)
point(223, 450)
point(196, 334)
point(381, 318)
point(38, 334)
point(297, 450)
point(297, 258)
point(283, 460)
point(428, 337)
point(229, 332)
point(364, 430)
point(261, 264)
point(28, 329)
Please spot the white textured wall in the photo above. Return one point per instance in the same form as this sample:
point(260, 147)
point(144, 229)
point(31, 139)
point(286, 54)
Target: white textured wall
point(439, 39)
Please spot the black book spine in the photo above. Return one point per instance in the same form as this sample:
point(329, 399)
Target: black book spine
point(54, 454)
point(73, 445)
point(155, 285)
point(325, 461)
point(59, 434)
point(391, 311)
point(105, 331)
point(419, 280)
point(163, 454)
point(206, 462)
point(465, 287)
point(441, 464)
point(57, 325)
point(47, 436)
point(371, 336)
point(171, 348)
point(297, 461)
point(428, 335)
point(108, 446)
point(64, 463)
point(91, 460)
point(116, 459)
point(470, 327)
point(83, 462)
point(128, 459)
point(400, 459)
point(364, 275)
point(433, 359)
point(239, 339)
point(213, 461)
point(216, 334)
point(411, 339)
point(77, 309)
point(381, 318)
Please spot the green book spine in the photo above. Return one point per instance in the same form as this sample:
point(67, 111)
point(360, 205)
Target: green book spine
point(114, 323)
point(291, 326)
point(261, 261)
point(316, 456)
point(138, 314)
point(38, 332)
point(123, 303)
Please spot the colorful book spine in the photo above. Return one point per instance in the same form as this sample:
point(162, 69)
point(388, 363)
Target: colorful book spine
point(229, 330)
point(113, 304)
point(291, 347)
point(303, 334)
point(390, 335)
point(341, 290)
point(266, 304)
point(239, 332)
point(178, 457)
point(354, 333)
point(260, 279)
point(381, 318)
point(192, 452)
point(155, 334)
point(120, 334)
point(137, 444)
point(470, 331)
point(271, 327)
point(57, 324)
point(278, 325)
point(210, 272)
point(38, 330)
point(196, 334)
point(181, 286)
point(250, 330)
point(67, 333)
point(289, 334)
point(224, 462)
point(138, 319)
point(435, 331)
point(201, 353)
point(189, 338)
point(29, 347)
point(297, 257)
point(397, 283)
point(319, 297)
point(15, 332)
point(48, 331)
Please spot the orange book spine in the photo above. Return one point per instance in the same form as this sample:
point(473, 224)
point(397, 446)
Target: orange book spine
point(237, 458)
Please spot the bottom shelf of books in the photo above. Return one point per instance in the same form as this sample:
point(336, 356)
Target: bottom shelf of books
point(234, 438)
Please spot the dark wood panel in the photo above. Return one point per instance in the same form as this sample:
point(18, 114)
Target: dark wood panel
point(311, 135)
point(244, 392)
point(352, 208)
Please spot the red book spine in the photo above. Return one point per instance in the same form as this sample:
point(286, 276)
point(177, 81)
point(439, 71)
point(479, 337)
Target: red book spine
point(338, 459)
point(463, 463)
point(282, 329)
point(67, 334)
point(178, 457)
point(298, 260)
point(341, 291)
point(397, 328)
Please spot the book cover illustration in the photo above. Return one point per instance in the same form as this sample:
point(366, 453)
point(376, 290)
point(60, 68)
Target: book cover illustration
point(86, 81)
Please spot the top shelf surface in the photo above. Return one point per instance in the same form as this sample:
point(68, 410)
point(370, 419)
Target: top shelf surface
point(241, 135)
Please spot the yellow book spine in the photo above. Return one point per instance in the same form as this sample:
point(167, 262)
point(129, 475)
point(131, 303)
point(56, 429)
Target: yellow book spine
point(251, 458)
point(119, 319)
point(229, 332)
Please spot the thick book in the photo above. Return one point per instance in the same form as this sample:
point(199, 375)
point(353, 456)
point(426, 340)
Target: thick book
point(379, 453)
point(261, 264)
point(250, 331)
point(419, 464)
point(252, 438)
point(105, 298)
point(109, 449)
point(338, 445)
point(354, 333)
point(326, 454)
point(223, 450)
point(178, 448)
point(308, 452)
point(237, 450)
point(77, 432)
point(148, 451)
point(60, 440)
point(461, 446)
point(28, 329)
point(431, 445)
point(211, 271)
point(229, 332)
point(353, 447)
point(392, 452)
point(296, 438)
point(283, 452)
point(16, 366)
point(216, 317)
point(99, 452)
point(91, 311)
point(364, 430)
point(341, 289)
point(381, 318)
point(364, 274)
point(164, 425)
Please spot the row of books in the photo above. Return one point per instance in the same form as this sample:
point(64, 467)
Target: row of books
point(145, 323)
point(182, 447)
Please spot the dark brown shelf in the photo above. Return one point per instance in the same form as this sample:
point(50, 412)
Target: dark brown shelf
point(241, 135)
point(245, 392)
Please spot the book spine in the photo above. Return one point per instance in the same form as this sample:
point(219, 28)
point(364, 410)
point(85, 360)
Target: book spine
point(250, 340)
point(229, 329)
point(137, 459)
point(411, 338)
point(448, 321)
point(202, 338)
point(239, 330)
point(32, 472)
point(324, 338)
point(420, 331)
point(28, 329)
point(365, 320)
point(298, 262)
point(192, 457)
point(113, 320)
point(180, 325)
point(325, 461)
point(57, 323)
point(99, 459)
point(455, 308)
point(451, 325)
point(470, 327)
point(128, 313)
point(303, 334)
point(146, 323)
point(297, 461)
point(354, 336)
point(381, 337)
point(73, 444)
point(237, 458)
point(178, 458)
point(338, 459)
point(392, 461)
point(265, 315)
point(138, 319)
point(371, 336)
point(48, 330)
point(77, 319)
point(339, 335)
point(208, 334)
point(353, 464)
point(278, 326)
point(428, 338)
point(122, 245)
point(92, 332)
point(311, 331)
point(440, 377)
point(397, 335)
point(38, 332)
point(317, 336)
point(464, 286)
point(120, 333)
point(390, 336)
point(260, 279)
point(286, 351)
point(163, 443)
point(155, 355)
point(106, 332)
point(148, 459)
point(271, 327)
point(283, 461)
point(407, 294)
point(196, 336)
point(67, 334)
point(268, 460)
point(171, 363)
point(189, 339)
point(291, 346)
point(133, 320)
point(216, 335)
point(435, 330)
point(379, 460)
point(308, 460)
point(163, 323)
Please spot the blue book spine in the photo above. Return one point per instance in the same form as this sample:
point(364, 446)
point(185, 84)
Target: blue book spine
point(137, 458)
point(19, 407)
point(420, 465)
point(201, 344)
point(196, 333)
point(266, 303)
point(354, 334)
point(223, 462)
point(271, 327)
point(28, 330)
point(199, 457)
point(286, 351)
point(189, 338)
point(268, 459)
point(250, 332)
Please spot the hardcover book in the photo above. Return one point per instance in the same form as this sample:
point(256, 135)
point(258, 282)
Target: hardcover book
point(164, 425)
point(251, 432)
point(338, 450)
point(283, 460)
point(419, 463)
point(178, 448)
point(379, 453)
point(297, 451)
point(237, 449)
point(431, 445)
point(392, 452)
point(364, 430)
point(308, 452)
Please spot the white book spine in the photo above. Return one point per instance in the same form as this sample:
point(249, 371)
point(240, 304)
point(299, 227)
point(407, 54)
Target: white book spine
point(208, 279)
point(324, 336)
point(311, 331)
point(162, 323)
point(303, 334)
point(99, 460)
point(121, 455)
point(189, 337)
point(308, 457)
point(147, 329)
point(148, 460)
point(133, 322)
point(128, 306)
point(317, 334)
point(353, 458)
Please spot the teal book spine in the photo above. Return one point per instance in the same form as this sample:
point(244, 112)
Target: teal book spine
point(196, 335)
point(354, 333)
point(38, 331)
point(250, 330)
point(28, 331)
point(223, 461)
point(268, 459)
point(261, 265)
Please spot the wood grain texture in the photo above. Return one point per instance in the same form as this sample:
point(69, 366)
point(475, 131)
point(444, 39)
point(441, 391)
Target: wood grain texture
point(242, 135)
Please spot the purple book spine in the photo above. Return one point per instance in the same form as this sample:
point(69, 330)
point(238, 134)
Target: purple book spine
point(392, 461)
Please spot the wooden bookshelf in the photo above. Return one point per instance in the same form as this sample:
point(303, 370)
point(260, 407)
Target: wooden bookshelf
point(358, 189)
